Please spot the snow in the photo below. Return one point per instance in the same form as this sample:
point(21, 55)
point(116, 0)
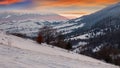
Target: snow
point(79, 19)
point(28, 27)
point(68, 28)
point(72, 27)
point(96, 49)
point(64, 25)
point(16, 52)
point(8, 16)
point(82, 43)
point(66, 32)
point(84, 36)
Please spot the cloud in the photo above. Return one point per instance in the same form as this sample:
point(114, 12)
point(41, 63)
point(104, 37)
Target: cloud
point(66, 3)
point(9, 2)
point(71, 7)
point(77, 7)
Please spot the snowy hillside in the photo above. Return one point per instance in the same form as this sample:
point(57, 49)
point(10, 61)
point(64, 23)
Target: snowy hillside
point(16, 52)
point(31, 27)
point(28, 27)
point(97, 22)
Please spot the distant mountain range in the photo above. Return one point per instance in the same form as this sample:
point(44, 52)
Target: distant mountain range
point(15, 16)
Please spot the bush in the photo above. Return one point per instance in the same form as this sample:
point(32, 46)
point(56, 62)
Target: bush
point(40, 39)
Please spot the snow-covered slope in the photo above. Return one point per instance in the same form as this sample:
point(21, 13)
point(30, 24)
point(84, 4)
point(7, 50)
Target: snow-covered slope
point(16, 52)
point(28, 27)
point(31, 27)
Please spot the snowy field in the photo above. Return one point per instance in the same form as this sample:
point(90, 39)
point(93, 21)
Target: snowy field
point(16, 52)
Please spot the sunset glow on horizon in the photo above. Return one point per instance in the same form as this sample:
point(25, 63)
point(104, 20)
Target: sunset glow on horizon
point(70, 9)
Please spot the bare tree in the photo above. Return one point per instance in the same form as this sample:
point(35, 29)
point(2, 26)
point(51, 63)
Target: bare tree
point(48, 33)
point(51, 36)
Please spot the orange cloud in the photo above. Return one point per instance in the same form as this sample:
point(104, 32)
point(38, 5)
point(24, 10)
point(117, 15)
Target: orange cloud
point(63, 3)
point(77, 7)
point(8, 2)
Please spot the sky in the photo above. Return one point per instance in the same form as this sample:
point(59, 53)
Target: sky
point(67, 8)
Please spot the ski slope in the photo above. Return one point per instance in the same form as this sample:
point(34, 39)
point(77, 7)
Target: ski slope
point(16, 52)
